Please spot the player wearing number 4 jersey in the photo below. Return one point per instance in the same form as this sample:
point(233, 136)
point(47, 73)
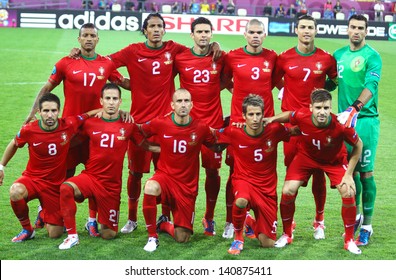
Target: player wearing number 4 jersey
point(359, 72)
point(254, 178)
point(48, 141)
point(175, 180)
point(101, 179)
point(305, 68)
point(321, 147)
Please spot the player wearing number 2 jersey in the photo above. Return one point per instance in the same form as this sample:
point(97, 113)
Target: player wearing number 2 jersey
point(305, 68)
point(48, 140)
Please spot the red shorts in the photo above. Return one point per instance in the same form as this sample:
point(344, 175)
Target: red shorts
point(229, 156)
point(265, 207)
point(49, 197)
point(108, 201)
point(139, 159)
point(180, 200)
point(77, 154)
point(302, 167)
point(210, 159)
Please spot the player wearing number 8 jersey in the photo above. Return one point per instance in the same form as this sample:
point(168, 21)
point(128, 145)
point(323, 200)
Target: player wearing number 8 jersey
point(48, 140)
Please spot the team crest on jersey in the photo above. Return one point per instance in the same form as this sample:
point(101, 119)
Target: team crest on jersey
point(64, 138)
point(101, 71)
point(193, 137)
point(357, 63)
point(122, 134)
point(318, 68)
point(214, 68)
point(168, 58)
point(329, 141)
point(266, 66)
point(270, 147)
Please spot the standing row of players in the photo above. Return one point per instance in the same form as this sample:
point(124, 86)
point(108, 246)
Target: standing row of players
point(250, 69)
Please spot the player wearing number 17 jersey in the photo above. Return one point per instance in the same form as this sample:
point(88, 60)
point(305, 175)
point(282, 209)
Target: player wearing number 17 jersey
point(305, 68)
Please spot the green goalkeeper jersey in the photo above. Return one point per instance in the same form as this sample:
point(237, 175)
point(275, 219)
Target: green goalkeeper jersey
point(358, 70)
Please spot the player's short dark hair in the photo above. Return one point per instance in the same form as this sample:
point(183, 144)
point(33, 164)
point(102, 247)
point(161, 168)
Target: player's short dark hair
point(320, 95)
point(150, 16)
point(252, 100)
point(88, 25)
point(358, 17)
point(254, 21)
point(49, 97)
point(200, 20)
point(306, 17)
point(110, 86)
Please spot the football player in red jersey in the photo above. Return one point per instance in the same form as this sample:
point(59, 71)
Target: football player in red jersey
point(254, 179)
point(203, 78)
point(83, 79)
point(48, 141)
point(175, 180)
point(305, 68)
point(101, 179)
point(321, 147)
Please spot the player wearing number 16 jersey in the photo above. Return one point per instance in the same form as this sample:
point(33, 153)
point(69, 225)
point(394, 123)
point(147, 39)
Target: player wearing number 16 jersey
point(175, 180)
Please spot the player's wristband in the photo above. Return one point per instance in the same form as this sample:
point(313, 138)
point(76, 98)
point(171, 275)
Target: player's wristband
point(2, 167)
point(358, 105)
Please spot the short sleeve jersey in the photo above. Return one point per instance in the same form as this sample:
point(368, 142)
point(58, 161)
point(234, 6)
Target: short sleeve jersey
point(180, 148)
point(152, 77)
point(322, 144)
point(358, 70)
point(108, 142)
point(202, 78)
point(255, 156)
point(252, 73)
point(48, 149)
point(83, 80)
point(302, 74)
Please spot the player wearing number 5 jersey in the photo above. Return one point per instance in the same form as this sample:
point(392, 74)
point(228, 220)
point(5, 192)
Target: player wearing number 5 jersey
point(101, 178)
point(254, 178)
point(305, 68)
point(359, 72)
point(175, 180)
point(48, 141)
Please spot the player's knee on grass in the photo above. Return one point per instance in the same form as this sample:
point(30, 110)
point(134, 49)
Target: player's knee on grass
point(54, 231)
point(265, 241)
point(182, 235)
point(241, 202)
point(18, 191)
point(107, 233)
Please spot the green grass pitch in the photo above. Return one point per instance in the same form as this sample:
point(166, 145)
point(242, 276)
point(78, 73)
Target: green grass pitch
point(27, 57)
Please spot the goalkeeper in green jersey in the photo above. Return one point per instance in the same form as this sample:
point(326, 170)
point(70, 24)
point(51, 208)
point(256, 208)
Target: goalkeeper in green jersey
point(359, 71)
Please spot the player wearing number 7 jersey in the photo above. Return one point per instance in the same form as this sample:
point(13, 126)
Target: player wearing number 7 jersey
point(48, 140)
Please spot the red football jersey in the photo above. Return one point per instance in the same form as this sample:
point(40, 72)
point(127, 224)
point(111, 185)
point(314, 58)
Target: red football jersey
point(48, 149)
point(83, 80)
point(180, 148)
point(252, 73)
point(302, 74)
point(152, 77)
point(255, 156)
point(202, 78)
point(108, 142)
point(322, 144)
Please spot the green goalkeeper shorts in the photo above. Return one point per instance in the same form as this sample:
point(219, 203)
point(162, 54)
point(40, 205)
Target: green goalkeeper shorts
point(368, 130)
